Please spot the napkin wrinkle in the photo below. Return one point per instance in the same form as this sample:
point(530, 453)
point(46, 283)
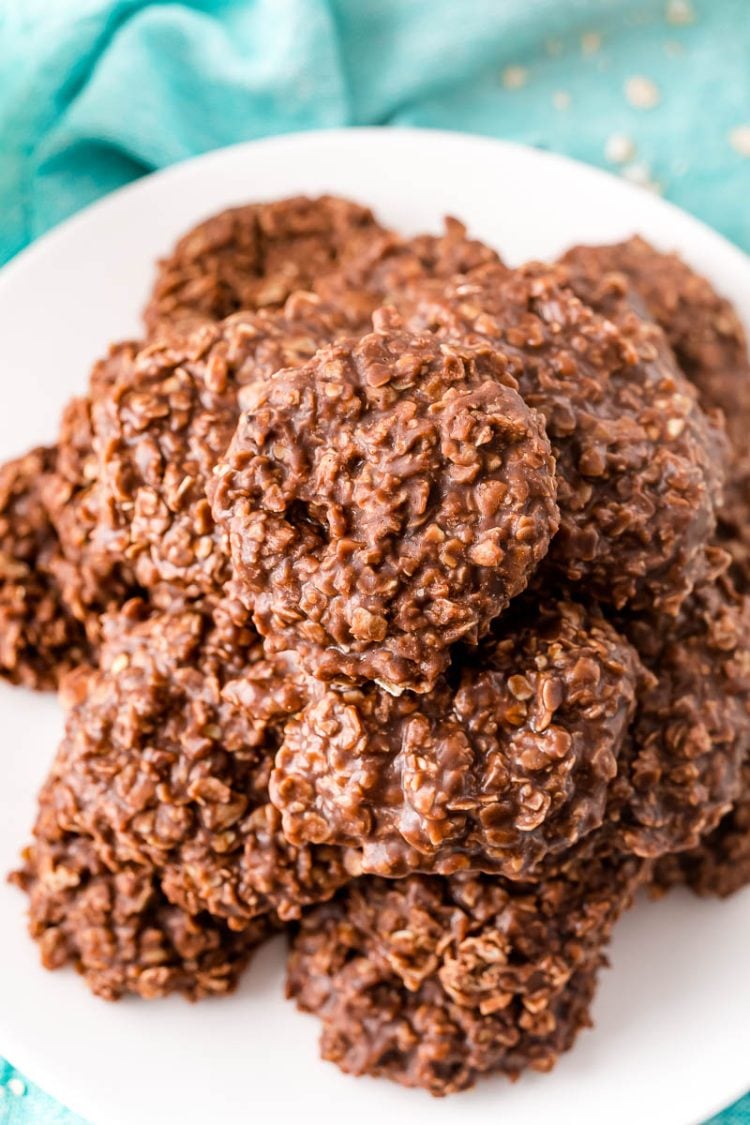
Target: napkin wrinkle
point(94, 93)
point(254, 81)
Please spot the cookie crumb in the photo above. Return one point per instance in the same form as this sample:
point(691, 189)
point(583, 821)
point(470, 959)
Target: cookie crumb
point(561, 100)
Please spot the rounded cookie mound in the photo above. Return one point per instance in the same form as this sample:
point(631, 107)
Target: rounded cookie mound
point(433, 982)
point(117, 929)
point(637, 462)
point(39, 639)
point(165, 762)
point(709, 342)
point(159, 427)
point(492, 774)
point(692, 729)
point(720, 865)
point(91, 581)
point(253, 257)
point(383, 265)
point(702, 327)
point(383, 502)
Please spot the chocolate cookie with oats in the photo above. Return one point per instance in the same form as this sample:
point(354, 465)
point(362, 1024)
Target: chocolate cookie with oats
point(117, 929)
point(383, 502)
point(382, 266)
point(508, 761)
point(435, 982)
point(161, 424)
point(165, 762)
point(638, 463)
point(253, 257)
point(691, 734)
point(39, 638)
point(709, 342)
point(720, 865)
point(702, 327)
point(91, 582)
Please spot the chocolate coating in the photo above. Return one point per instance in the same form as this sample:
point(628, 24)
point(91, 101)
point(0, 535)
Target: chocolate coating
point(91, 582)
point(161, 767)
point(511, 764)
point(710, 344)
point(636, 459)
point(117, 928)
point(702, 327)
point(382, 266)
point(253, 257)
point(159, 428)
point(39, 639)
point(433, 982)
point(383, 502)
point(692, 730)
point(501, 660)
point(720, 865)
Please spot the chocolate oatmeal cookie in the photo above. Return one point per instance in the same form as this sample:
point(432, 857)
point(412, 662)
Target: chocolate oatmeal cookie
point(491, 773)
point(383, 266)
point(383, 502)
point(159, 427)
point(692, 729)
point(165, 762)
point(433, 982)
point(637, 461)
point(117, 928)
point(709, 342)
point(702, 327)
point(386, 590)
point(720, 865)
point(39, 639)
point(253, 257)
point(91, 582)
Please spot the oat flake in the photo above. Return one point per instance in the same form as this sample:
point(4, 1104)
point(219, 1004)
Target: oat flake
point(619, 149)
point(680, 12)
point(739, 139)
point(591, 42)
point(515, 77)
point(642, 92)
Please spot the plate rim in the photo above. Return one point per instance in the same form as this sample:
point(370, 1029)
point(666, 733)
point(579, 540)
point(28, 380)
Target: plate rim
point(402, 134)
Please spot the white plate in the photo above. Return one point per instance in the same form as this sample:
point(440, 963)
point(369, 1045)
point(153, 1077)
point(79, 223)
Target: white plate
point(673, 1017)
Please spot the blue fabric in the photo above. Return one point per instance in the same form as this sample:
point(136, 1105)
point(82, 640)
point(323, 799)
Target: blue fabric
point(21, 1103)
point(737, 1114)
point(94, 93)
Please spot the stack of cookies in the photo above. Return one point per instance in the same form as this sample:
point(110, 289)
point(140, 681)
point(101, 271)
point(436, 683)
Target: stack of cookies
point(398, 599)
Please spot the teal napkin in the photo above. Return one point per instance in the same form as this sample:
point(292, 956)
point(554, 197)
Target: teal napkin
point(94, 93)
